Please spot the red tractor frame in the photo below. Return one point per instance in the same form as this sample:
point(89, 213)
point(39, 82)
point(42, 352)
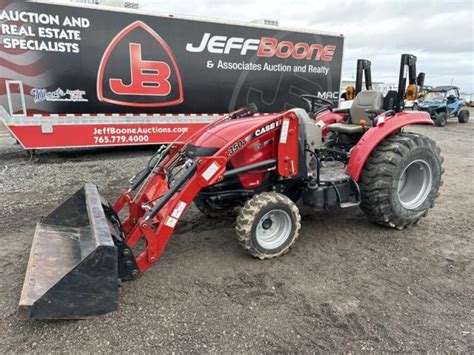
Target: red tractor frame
point(255, 166)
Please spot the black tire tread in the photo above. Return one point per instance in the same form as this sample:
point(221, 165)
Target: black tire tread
point(382, 165)
point(441, 119)
point(246, 218)
point(463, 118)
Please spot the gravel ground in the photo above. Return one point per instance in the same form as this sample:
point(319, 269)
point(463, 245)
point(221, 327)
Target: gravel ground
point(346, 285)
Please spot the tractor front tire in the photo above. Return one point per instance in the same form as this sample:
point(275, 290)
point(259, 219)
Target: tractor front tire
point(440, 119)
point(463, 116)
point(401, 179)
point(268, 225)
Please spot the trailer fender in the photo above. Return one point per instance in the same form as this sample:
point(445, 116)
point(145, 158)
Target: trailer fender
point(371, 139)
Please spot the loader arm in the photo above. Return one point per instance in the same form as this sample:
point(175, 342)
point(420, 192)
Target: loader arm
point(155, 212)
point(82, 250)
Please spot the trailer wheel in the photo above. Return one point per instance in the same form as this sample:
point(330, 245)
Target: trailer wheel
point(440, 119)
point(463, 116)
point(268, 225)
point(401, 179)
point(215, 210)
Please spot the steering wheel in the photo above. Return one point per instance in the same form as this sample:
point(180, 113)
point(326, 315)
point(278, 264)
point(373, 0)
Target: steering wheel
point(317, 103)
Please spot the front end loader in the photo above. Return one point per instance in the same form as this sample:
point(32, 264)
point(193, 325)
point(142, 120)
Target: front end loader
point(257, 166)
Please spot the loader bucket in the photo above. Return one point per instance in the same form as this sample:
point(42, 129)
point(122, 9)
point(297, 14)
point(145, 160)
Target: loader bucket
point(72, 270)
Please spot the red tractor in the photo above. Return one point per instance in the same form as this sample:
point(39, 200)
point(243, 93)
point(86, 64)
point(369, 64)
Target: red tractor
point(262, 164)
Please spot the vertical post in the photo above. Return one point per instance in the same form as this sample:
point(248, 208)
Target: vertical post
point(9, 97)
point(368, 76)
point(363, 73)
point(407, 71)
point(402, 83)
point(359, 76)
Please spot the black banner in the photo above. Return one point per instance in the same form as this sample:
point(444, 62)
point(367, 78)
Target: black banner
point(91, 60)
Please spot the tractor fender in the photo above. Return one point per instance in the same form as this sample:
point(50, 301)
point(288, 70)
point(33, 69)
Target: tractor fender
point(371, 139)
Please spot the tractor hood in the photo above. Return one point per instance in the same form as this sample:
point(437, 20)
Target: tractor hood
point(222, 133)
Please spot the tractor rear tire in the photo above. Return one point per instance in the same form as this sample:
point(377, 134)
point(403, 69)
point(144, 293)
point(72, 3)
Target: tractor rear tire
point(213, 210)
point(441, 119)
point(268, 225)
point(463, 116)
point(401, 179)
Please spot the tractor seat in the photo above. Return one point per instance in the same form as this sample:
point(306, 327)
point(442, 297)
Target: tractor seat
point(369, 99)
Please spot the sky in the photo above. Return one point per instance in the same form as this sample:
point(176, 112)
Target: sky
point(439, 32)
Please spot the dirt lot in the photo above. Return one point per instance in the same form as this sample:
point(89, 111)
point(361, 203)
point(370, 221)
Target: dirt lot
point(347, 285)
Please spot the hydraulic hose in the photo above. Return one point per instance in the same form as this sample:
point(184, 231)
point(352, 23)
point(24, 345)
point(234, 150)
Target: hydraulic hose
point(190, 171)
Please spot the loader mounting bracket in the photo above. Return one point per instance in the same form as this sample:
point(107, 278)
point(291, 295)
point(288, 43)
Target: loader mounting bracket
point(127, 265)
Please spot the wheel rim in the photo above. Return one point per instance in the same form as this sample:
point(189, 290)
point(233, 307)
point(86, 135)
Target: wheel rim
point(415, 184)
point(273, 229)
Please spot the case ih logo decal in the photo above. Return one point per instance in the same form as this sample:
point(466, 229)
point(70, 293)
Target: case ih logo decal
point(265, 47)
point(269, 127)
point(152, 78)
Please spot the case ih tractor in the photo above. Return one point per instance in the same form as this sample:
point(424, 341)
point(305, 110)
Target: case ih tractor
point(263, 164)
point(443, 102)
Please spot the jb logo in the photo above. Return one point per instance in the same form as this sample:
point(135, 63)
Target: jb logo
point(147, 77)
point(152, 78)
